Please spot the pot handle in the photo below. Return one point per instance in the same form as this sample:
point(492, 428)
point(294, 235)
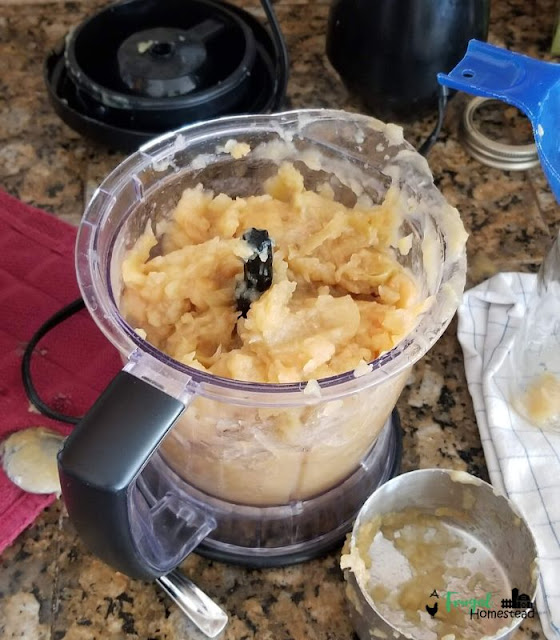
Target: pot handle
point(99, 465)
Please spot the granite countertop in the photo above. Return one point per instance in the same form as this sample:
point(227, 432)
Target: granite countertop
point(50, 586)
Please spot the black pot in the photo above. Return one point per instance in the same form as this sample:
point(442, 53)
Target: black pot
point(388, 52)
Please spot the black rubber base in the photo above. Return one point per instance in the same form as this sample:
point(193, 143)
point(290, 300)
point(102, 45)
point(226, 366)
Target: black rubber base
point(283, 559)
point(127, 128)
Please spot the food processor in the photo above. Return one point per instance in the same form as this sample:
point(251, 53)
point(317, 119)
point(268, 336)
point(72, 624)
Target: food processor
point(171, 458)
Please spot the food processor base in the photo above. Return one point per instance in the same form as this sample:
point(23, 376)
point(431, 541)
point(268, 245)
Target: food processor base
point(368, 478)
point(262, 536)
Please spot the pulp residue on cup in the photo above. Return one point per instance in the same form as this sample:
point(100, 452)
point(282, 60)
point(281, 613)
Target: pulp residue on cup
point(29, 459)
point(403, 557)
point(540, 401)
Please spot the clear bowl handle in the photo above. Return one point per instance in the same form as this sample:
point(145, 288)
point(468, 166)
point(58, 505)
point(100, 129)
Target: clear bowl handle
point(99, 465)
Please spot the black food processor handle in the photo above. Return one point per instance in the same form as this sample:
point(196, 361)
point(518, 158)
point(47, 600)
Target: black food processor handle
point(99, 465)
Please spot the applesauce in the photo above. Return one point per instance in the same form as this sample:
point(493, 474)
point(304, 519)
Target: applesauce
point(339, 298)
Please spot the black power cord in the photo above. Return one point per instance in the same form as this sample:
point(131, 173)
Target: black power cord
point(60, 316)
point(424, 148)
point(282, 58)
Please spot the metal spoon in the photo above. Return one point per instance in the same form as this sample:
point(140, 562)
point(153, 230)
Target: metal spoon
point(29, 461)
point(194, 603)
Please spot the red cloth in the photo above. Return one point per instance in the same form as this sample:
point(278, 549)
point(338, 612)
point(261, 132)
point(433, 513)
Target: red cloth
point(72, 364)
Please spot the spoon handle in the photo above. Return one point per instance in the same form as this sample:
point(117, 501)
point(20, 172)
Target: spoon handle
point(198, 607)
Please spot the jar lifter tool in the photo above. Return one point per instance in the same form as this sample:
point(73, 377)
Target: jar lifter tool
point(533, 86)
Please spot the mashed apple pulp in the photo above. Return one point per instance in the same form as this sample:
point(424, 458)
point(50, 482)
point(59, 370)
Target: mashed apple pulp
point(339, 298)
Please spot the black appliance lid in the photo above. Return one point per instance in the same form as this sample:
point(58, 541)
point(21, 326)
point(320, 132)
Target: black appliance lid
point(139, 68)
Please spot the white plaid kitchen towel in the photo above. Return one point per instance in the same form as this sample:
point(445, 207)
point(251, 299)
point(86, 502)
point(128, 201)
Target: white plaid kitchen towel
point(523, 461)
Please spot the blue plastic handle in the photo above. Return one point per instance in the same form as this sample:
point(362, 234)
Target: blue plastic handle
point(530, 85)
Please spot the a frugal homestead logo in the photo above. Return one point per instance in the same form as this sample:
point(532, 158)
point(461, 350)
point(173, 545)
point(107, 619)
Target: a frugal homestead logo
point(518, 606)
point(454, 600)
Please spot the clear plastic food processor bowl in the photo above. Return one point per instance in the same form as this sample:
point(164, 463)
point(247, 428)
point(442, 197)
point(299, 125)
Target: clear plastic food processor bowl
point(256, 473)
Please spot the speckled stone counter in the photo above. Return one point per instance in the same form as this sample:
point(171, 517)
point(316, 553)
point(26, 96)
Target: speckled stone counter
point(50, 587)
